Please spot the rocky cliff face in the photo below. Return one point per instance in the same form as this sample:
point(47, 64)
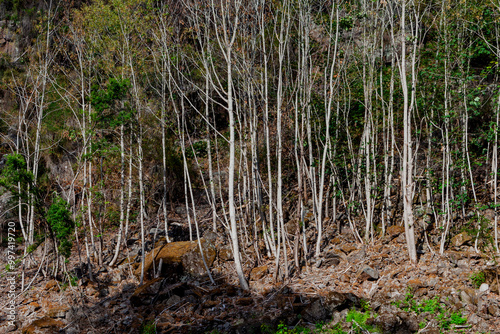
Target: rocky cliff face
point(10, 41)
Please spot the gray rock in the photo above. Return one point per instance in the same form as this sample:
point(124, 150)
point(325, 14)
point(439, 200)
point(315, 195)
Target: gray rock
point(484, 287)
point(173, 300)
point(357, 255)
point(156, 231)
point(315, 312)
point(335, 301)
point(368, 273)
point(494, 310)
point(469, 297)
point(72, 330)
point(192, 261)
point(332, 259)
point(474, 319)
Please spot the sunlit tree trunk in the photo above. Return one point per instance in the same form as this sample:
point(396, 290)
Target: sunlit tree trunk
point(407, 182)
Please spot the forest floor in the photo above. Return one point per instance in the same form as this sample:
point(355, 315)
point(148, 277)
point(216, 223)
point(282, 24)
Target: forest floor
point(351, 288)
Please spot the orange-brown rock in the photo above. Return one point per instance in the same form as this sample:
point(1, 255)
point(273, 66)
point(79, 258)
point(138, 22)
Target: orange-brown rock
point(43, 325)
point(244, 301)
point(53, 310)
point(415, 284)
point(52, 284)
point(460, 239)
point(35, 305)
point(185, 253)
point(258, 272)
point(395, 230)
point(226, 253)
point(336, 241)
point(491, 276)
point(348, 248)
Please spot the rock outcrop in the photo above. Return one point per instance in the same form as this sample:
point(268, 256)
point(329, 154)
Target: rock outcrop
point(185, 255)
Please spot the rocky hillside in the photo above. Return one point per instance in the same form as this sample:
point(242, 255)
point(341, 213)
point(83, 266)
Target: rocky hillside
point(454, 292)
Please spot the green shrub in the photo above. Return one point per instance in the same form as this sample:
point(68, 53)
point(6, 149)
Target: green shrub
point(446, 320)
point(432, 306)
point(148, 327)
point(61, 224)
point(358, 320)
point(477, 279)
point(15, 176)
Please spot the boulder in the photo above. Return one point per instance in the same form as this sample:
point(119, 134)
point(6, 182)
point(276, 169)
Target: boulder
point(394, 230)
point(226, 253)
point(460, 239)
point(258, 272)
point(315, 312)
point(333, 258)
point(368, 273)
point(348, 248)
point(54, 310)
point(335, 301)
point(184, 253)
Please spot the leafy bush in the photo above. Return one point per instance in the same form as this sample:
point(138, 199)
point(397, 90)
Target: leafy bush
point(15, 177)
point(358, 320)
point(61, 223)
point(477, 279)
point(432, 306)
point(446, 320)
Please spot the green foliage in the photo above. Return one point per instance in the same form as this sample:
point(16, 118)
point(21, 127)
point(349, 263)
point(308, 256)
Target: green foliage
point(477, 279)
point(283, 329)
point(410, 304)
point(148, 327)
point(104, 101)
point(337, 329)
point(61, 224)
point(365, 305)
point(446, 320)
point(198, 149)
point(15, 177)
point(434, 307)
point(358, 320)
point(73, 280)
point(318, 328)
point(38, 240)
